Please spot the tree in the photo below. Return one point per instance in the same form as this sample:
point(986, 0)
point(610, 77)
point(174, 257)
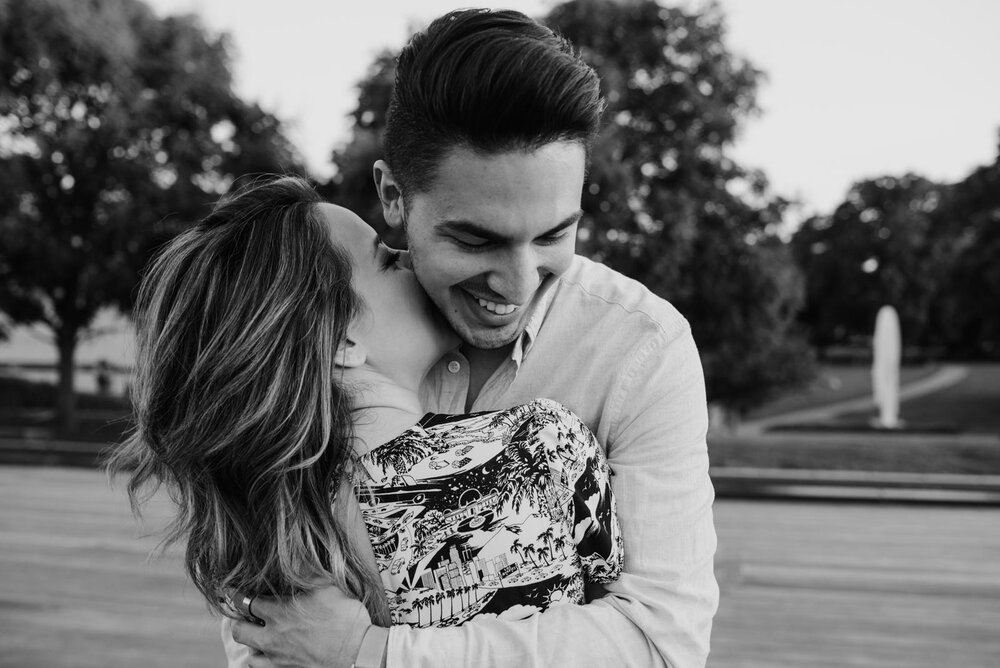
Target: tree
point(882, 245)
point(117, 128)
point(667, 206)
point(352, 185)
point(929, 249)
point(970, 219)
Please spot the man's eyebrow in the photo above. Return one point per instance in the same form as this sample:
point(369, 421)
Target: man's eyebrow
point(476, 230)
point(375, 245)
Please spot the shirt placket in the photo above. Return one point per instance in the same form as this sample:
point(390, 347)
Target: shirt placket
point(453, 374)
point(491, 395)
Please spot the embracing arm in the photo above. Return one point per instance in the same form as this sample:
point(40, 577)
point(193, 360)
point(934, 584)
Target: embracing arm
point(325, 628)
point(659, 612)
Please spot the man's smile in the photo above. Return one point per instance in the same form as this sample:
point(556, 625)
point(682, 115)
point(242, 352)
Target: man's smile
point(499, 309)
point(491, 311)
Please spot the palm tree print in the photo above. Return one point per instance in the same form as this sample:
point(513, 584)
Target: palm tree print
point(560, 543)
point(539, 412)
point(516, 548)
point(418, 605)
point(525, 473)
point(400, 455)
point(429, 604)
point(439, 597)
point(547, 536)
point(543, 554)
point(529, 551)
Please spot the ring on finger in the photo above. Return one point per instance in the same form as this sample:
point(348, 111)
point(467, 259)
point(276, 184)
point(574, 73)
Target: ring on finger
point(243, 603)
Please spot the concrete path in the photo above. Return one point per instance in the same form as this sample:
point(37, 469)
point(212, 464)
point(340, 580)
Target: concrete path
point(825, 585)
point(866, 585)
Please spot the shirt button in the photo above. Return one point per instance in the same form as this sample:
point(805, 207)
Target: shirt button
point(454, 366)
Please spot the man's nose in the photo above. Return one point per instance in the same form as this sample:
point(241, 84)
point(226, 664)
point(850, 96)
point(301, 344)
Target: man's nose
point(516, 275)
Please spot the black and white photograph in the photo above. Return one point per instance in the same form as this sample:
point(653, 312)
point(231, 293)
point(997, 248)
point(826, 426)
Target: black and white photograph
point(554, 333)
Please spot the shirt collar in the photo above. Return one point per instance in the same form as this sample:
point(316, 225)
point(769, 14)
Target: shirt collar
point(540, 304)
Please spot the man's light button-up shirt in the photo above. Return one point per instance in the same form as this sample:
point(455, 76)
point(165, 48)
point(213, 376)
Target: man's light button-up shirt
point(625, 362)
point(454, 366)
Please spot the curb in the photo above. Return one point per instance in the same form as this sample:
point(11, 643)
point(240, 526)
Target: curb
point(730, 481)
point(45, 452)
point(748, 482)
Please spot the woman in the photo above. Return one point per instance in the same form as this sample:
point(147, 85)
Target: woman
point(280, 350)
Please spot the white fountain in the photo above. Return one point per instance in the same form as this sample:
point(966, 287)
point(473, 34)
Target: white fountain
point(887, 351)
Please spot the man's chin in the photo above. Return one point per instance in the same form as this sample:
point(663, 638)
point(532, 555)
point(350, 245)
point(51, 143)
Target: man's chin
point(475, 329)
point(488, 339)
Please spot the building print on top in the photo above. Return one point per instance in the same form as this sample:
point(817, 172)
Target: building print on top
point(499, 513)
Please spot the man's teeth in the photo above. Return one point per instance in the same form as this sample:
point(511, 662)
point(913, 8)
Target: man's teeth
point(499, 309)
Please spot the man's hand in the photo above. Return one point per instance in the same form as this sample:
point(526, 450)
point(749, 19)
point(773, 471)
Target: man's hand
point(323, 629)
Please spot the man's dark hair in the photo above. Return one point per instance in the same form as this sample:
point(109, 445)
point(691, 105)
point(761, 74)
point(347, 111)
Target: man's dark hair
point(489, 81)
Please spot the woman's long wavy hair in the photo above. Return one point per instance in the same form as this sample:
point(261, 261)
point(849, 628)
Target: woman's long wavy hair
point(238, 408)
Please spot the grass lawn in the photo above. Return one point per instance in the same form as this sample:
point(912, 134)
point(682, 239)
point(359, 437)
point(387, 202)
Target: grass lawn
point(970, 443)
point(835, 383)
point(972, 406)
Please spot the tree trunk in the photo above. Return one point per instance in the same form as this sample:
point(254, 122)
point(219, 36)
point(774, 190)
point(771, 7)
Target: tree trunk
point(65, 394)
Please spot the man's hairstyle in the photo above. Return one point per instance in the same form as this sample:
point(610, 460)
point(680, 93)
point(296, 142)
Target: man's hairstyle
point(238, 406)
point(488, 81)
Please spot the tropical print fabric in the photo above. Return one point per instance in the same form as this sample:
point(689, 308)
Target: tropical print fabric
point(501, 513)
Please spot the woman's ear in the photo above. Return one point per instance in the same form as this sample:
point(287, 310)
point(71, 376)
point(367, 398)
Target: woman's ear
point(349, 355)
point(389, 194)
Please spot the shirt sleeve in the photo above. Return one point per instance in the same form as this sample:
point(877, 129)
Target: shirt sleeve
point(659, 611)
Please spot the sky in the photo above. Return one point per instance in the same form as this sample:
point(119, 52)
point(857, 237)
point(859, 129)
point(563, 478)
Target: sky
point(855, 88)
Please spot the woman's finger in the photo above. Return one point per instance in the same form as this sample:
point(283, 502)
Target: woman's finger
point(249, 634)
point(263, 608)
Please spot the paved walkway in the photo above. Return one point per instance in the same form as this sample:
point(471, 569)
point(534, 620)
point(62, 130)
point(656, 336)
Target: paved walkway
point(837, 585)
point(946, 376)
point(824, 585)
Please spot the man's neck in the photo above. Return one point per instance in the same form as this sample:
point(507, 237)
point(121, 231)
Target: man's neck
point(482, 365)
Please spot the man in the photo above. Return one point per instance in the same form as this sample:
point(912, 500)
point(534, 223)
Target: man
point(487, 141)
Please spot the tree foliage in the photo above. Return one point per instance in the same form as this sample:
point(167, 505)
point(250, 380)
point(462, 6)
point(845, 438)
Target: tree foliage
point(880, 246)
point(931, 250)
point(352, 186)
point(969, 299)
point(117, 128)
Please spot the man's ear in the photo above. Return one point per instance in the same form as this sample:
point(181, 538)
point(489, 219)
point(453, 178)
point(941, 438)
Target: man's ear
point(389, 194)
point(349, 355)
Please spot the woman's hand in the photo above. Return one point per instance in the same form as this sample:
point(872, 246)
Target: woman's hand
point(322, 629)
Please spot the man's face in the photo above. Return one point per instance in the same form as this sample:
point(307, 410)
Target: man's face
point(490, 231)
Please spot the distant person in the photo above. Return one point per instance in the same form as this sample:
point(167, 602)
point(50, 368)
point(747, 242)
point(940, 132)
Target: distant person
point(486, 144)
point(103, 378)
point(280, 350)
